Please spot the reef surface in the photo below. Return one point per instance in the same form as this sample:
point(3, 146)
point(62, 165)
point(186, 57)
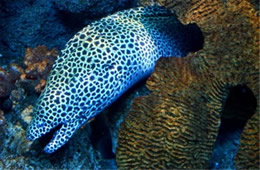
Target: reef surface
point(26, 26)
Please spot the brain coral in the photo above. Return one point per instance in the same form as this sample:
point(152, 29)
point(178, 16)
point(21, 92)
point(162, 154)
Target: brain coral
point(177, 124)
point(173, 125)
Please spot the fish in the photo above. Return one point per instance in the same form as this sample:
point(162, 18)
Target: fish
point(101, 62)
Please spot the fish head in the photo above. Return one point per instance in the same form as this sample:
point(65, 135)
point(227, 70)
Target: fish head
point(55, 107)
point(43, 120)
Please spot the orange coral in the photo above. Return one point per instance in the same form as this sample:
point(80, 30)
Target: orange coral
point(177, 124)
point(38, 63)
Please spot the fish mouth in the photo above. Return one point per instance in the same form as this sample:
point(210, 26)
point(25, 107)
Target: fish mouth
point(55, 135)
point(45, 138)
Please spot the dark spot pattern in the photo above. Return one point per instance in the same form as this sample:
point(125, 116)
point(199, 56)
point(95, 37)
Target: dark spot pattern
point(99, 64)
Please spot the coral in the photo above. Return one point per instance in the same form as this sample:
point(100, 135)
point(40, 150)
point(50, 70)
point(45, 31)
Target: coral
point(248, 153)
point(38, 62)
point(177, 124)
point(172, 126)
point(8, 79)
point(17, 152)
point(7, 83)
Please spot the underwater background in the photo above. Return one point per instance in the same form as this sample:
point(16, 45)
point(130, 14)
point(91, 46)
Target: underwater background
point(198, 112)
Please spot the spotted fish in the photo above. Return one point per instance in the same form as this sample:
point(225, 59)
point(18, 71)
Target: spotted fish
point(101, 62)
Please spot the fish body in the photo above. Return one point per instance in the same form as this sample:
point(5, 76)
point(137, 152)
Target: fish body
point(99, 64)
